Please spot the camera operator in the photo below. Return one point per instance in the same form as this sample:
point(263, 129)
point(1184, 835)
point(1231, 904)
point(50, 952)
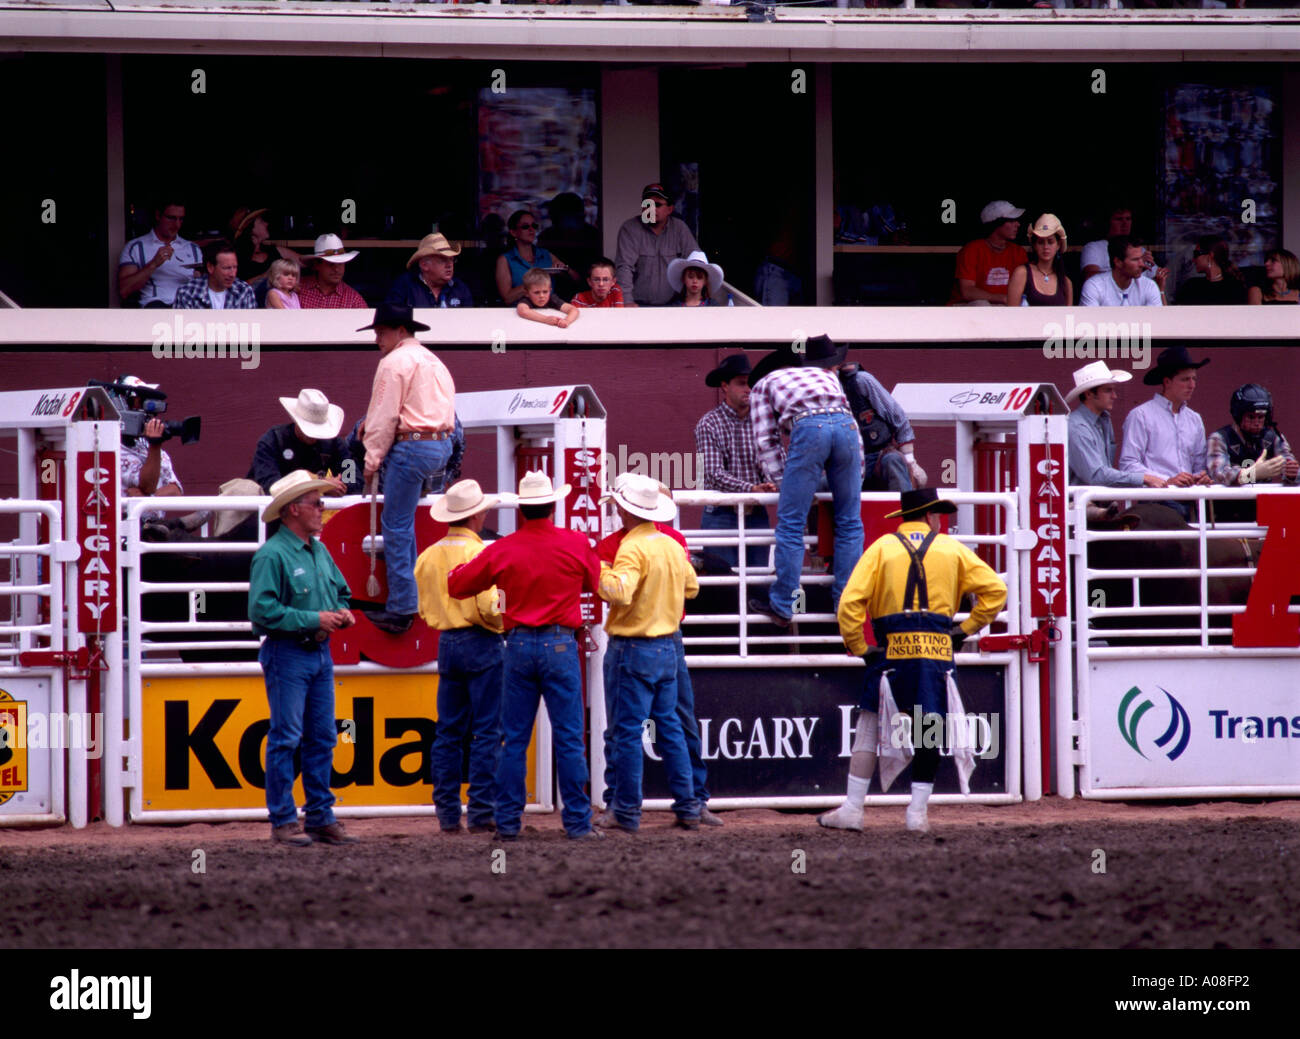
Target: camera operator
point(146, 468)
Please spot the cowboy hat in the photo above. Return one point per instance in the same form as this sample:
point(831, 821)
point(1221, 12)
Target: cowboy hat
point(395, 315)
point(732, 367)
point(433, 245)
point(330, 247)
point(244, 218)
point(535, 489)
point(621, 479)
point(314, 414)
point(697, 259)
point(1169, 363)
point(821, 352)
point(288, 489)
point(1090, 376)
point(226, 520)
point(782, 357)
point(921, 501)
point(465, 499)
point(1047, 226)
point(640, 495)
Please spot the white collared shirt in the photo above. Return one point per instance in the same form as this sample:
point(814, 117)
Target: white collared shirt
point(163, 282)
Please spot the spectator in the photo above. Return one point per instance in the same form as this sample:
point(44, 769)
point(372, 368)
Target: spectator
point(1249, 450)
point(646, 244)
point(283, 293)
point(1092, 436)
point(221, 289)
point(328, 291)
point(604, 290)
point(523, 256)
point(1219, 281)
point(539, 298)
point(433, 283)
point(146, 468)
point(1042, 282)
point(1282, 270)
point(311, 441)
point(1124, 285)
point(695, 281)
point(570, 233)
point(256, 254)
point(984, 266)
point(157, 264)
point(888, 442)
point(1093, 260)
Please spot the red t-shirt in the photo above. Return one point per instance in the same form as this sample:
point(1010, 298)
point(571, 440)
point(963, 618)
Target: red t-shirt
point(586, 299)
point(989, 269)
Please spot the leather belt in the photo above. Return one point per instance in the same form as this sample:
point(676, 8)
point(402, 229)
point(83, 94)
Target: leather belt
point(423, 434)
point(822, 411)
point(558, 629)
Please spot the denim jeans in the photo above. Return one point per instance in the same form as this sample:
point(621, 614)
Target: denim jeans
point(300, 691)
point(471, 663)
point(542, 663)
point(818, 442)
point(685, 715)
point(723, 517)
point(646, 680)
point(886, 471)
point(409, 464)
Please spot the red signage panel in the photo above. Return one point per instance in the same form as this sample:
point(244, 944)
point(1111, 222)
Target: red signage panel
point(96, 502)
point(1047, 595)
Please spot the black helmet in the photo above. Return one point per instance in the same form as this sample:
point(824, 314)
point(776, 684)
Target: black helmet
point(1251, 399)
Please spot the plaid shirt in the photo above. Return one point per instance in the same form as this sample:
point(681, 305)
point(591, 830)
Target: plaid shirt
point(193, 295)
point(1219, 461)
point(729, 460)
point(345, 298)
point(133, 457)
point(778, 399)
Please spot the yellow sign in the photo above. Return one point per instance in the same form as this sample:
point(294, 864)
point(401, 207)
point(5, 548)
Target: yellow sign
point(925, 645)
point(204, 742)
point(13, 746)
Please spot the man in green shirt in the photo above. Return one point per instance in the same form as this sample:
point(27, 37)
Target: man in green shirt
point(296, 597)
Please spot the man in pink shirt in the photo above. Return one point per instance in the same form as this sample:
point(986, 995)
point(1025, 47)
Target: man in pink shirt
point(408, 426)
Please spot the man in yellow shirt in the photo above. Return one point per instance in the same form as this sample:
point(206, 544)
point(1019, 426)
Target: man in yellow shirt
point(471, 658)
point(910, 583)
point(646, 588)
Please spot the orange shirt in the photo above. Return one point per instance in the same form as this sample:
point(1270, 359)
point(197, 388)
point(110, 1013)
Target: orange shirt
point(412, 391)
point(989, 269)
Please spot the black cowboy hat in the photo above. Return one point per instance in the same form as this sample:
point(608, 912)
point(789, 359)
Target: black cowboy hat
point(1170, 362)
point(782, 357)
point(395, 315)
point(919, 502)
point(730, 368)
point(820, 352)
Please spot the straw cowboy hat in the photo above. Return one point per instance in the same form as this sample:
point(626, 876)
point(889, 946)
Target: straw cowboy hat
point(1047, 226)
point(1090, 376)
point(919, 502)
point(329, 247)
point(465, 499)
point(643, 497)
point(289, 489)
point(698, 260)
point(535, 489)
point(226, 520)
point(314, 414)
point(433, 245)
point(243, 219)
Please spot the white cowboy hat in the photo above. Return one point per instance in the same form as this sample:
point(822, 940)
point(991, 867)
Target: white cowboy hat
point(1090, 376)
point(289, 489)
point(330, 247)
point(535, 489)
point(695, 259)
point(226, 520)
point(465, 499)
point(643, 497)
point(314, 414)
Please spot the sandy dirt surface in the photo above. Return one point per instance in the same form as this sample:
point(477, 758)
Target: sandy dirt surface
point(1198, 875)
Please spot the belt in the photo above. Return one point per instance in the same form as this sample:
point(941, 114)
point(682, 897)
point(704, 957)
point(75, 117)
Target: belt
point(422, 434)
point(558, 629)
point(302, 639)
point(473, 629)
point(822, 411)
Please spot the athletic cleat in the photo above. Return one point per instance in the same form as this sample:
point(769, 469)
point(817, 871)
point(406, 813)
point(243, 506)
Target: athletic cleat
point(842, 818)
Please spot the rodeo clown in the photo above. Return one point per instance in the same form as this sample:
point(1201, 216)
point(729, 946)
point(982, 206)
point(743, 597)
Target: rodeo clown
point(911, 582)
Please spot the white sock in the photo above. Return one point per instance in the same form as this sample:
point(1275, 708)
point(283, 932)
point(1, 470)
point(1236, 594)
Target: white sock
point(920, 798)
point(857, 794)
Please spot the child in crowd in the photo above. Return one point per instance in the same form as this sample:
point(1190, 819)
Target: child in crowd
point(283, 279)
point(697, 282)
point(538, 299)
point(604, 291)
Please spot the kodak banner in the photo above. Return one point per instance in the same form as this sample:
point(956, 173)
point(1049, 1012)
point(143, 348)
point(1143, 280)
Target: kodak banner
point(205, 742)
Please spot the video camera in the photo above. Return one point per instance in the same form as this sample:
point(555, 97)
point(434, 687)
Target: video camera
point(153, 403)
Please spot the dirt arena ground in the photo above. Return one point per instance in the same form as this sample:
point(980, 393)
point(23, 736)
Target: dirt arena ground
point(1183, 876)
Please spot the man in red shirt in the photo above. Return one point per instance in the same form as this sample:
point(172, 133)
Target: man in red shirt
point(328, 291)
point(984, 266)
point(540, 572)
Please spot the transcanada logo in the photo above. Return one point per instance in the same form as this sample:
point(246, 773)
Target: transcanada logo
point(1132, 712)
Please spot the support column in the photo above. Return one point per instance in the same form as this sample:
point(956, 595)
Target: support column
point(114, 164)
point(824, 183)
point(629, 144)
point(1290, 157)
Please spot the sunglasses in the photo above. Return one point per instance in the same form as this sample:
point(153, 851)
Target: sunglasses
point(317, 504)
point(526, 227)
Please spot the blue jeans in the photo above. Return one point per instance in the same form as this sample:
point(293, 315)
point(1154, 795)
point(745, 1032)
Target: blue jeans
point(542, 662)
point(818, 442)
point(409, 464)
point(300, 691)
point(685, 715)
point(471, 662)
point(723, 517)
point(886, 471)
point(646, 678)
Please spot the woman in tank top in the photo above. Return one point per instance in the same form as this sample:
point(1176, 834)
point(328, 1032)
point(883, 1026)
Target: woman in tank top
point(1042, 282)
point(1282, 270)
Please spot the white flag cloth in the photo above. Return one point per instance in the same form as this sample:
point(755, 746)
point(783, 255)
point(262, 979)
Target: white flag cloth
point(894, 741)
point(962, 750)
